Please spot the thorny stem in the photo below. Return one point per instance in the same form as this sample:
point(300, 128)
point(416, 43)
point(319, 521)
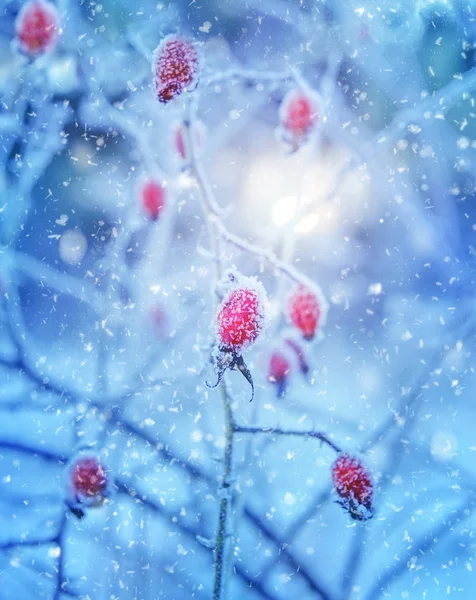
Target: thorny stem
point(434, 536)
point(156, 507)
point(395, 456)
point(216, 232)
point(223, 534)
point(60, 578)
point(288, 432)
point(267, 255)
point(217, 229)
point(211, 208)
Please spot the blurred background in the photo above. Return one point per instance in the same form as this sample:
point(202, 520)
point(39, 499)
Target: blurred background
point(105, 324)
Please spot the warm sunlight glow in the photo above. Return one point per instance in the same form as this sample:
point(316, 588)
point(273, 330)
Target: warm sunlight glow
point(284, 210)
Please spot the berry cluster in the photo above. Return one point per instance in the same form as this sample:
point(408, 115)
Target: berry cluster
point(175, 67)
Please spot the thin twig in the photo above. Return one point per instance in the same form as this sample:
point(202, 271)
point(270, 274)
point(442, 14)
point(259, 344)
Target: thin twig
point(191, 532)
point(248, 75)
point(427, 541)
point(288, 432)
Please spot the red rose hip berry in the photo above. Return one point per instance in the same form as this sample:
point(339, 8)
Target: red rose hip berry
point(353, 483)
point(240, 319)
point(305, 311)
point(88, 481)
point(153, 199)
point(175, 67)
point(37, 27)
point(278, 371)
point(299, 114)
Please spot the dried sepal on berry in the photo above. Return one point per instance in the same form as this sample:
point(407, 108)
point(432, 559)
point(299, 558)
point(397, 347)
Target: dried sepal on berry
point(241, 318)
point(37, 27)
point(353, 483)
point(88, 482)
point(307, 310)
point(299, 115)
point(175, 67)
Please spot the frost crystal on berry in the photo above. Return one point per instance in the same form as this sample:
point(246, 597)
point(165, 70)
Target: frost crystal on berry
point(36, 27)
point(299, 114)
point(353, 483)
point(152, 195)
point(307, 310)
point(175, 67)
point(241, 317)
point(88, 481)
point(278, 370)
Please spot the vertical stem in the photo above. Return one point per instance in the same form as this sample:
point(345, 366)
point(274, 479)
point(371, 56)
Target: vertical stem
point(60, 575)
point(210, 210)
point(223, 535)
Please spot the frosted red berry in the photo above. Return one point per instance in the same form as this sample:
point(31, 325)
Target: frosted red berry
point(299, 111)
point(153, 197)
point(305, 311)
point(353, 483)
point(37, 27)
point(88, 480)
point(175, 67)
point(240, 319)
point(299, 115)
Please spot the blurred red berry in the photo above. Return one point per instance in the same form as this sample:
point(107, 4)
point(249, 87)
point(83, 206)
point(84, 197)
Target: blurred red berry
point(36, 27)
point(180, 139)
point(175, 67)
point(305, 311)
point(88, 480)
point(353, 483)
point(160, 321)
point(153, 199)
point(278, 371)
point(299, 114)
point(240, 319)
point(303, 364)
